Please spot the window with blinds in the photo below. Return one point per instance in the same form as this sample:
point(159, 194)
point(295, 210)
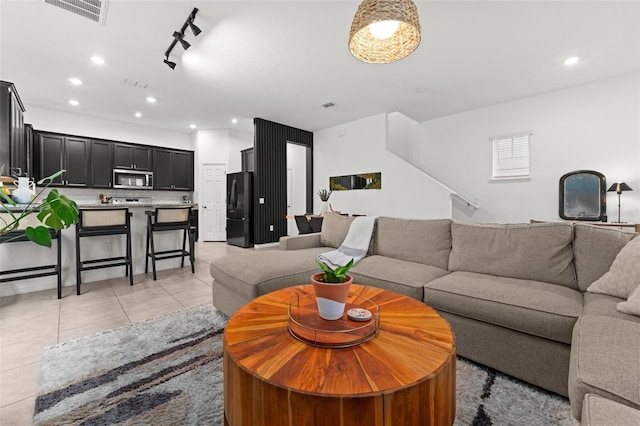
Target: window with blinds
point(511, 156)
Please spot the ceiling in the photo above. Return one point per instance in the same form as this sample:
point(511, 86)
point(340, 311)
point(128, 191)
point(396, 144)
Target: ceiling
point(282, 60)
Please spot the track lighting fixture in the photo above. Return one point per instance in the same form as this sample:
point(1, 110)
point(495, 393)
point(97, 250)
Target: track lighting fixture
point(178, 36)
point(194, 28)
point(172, 65)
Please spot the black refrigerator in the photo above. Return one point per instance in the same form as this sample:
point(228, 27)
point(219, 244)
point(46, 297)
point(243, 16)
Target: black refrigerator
point(240, 209)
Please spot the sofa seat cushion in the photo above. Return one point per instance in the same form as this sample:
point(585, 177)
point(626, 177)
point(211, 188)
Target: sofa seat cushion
point(605, 305)
point(539, 252)
point(604, 361)
point(396, 275)
point(599, 411)
point(540, 309)
point(255, 273)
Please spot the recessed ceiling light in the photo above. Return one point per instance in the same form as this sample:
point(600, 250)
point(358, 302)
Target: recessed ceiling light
point(571, 61)
point(97, 60)
point(137, 114)
point(75, 81)
point(192, 126)
point(74, 102)
point(151, 99)
point(234, 120)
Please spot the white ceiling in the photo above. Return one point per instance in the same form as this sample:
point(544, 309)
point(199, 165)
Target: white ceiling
point(280, 60)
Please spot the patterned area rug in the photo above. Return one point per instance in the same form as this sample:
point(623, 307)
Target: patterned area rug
point(168, 371)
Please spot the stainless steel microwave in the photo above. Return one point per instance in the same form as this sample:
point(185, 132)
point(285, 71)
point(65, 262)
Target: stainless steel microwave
point(132, 179)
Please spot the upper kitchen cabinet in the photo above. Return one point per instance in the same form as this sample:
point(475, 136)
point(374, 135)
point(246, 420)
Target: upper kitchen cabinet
point(131, 156)
point(101, 172)
point(55, 152)
point(13, 151)
point(173, 169)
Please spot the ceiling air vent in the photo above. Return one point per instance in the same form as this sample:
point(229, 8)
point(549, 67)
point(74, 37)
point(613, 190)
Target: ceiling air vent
point(96, 10)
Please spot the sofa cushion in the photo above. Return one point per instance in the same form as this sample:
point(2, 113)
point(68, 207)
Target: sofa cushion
point(421, 241)
point(604, 361)
point(602, 304)
point(594, 249)
point(599, 411)
point(624, 274)
point(396, 275)
point(537, 308)
point(539, 251)
point(632, 305)
point(255, 273)
point(334, 229)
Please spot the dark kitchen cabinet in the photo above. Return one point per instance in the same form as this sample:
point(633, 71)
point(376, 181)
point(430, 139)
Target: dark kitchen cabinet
point(56, 152)
point(173, 169)
point(131, 156)
point(13, 152)
point(101, 161)
point(28, 140)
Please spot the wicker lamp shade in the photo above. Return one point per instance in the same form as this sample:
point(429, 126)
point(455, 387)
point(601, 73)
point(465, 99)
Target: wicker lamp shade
point(365, 47)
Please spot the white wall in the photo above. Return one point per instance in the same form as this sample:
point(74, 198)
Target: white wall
point(297, 187)
point(594, 127)
point(359, 147)
point(82, 125)
point(217, 147)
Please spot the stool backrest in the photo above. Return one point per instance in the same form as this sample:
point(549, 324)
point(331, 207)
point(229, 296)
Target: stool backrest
point(172, 215)
point(103, 217)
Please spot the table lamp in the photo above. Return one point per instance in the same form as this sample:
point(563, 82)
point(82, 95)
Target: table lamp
point(619, 187)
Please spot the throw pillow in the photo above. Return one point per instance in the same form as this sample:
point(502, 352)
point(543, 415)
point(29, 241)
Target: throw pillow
point(624, 274)
point(334, 229)
point(632, 305)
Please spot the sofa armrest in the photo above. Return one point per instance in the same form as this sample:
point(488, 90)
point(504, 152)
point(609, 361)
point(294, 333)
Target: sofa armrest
point(297, 242)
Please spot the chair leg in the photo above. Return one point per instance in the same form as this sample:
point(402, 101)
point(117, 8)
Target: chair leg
point(129, 259)
point(192, 247)
point(59, 266)
point(153, 256)
point(146, 255)
point(78, 264)
point(184, 245)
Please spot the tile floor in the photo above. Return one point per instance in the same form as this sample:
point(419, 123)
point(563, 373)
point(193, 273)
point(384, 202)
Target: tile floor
point(30, 322)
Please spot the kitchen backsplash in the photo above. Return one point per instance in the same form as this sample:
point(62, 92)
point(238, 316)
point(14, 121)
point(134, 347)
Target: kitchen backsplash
point(91, 195)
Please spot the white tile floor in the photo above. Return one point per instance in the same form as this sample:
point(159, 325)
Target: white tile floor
point(30, 322)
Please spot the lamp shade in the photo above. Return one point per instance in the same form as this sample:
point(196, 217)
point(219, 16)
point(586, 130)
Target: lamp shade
point(394, 35)
point(619, 187)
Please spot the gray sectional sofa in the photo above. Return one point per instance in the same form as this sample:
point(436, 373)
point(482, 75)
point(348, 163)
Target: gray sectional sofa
point(514, 294)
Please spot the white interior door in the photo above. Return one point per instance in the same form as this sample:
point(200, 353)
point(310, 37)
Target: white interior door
point(292, 228)
point(213, 209)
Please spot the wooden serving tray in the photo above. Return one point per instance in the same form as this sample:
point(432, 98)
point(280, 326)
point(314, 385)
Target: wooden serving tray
point(306, 325)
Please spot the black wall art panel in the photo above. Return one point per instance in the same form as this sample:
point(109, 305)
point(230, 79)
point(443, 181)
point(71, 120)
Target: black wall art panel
point(270, 177)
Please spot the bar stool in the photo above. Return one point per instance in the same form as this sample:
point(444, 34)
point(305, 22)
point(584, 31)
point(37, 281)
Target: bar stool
point(101, 222)
point(169, 219)
point(34, 271)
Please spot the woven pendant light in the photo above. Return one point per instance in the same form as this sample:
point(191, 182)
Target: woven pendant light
point(366, 47)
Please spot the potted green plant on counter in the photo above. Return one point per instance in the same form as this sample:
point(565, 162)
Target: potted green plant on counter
point(56, 211)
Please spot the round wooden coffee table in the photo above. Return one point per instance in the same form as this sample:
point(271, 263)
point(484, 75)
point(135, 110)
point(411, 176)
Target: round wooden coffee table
point(405, 375)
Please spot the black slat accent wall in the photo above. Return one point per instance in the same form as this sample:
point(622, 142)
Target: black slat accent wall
point(270, 177)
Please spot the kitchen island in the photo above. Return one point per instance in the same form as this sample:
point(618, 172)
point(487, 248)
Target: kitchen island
point(27, 254)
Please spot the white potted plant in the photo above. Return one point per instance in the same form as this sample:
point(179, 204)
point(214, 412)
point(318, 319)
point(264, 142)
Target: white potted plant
point(324, 197)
